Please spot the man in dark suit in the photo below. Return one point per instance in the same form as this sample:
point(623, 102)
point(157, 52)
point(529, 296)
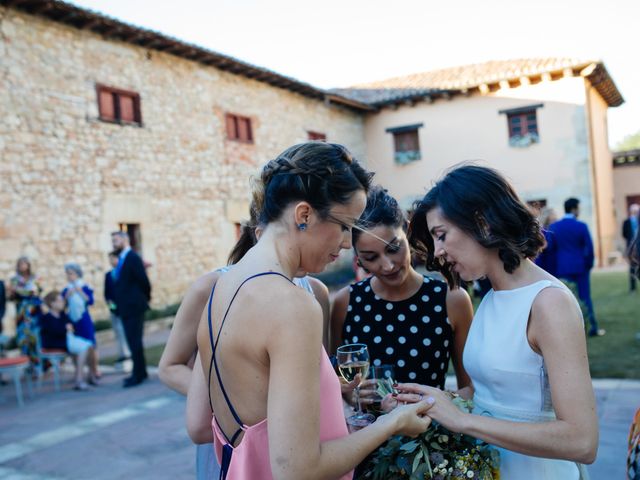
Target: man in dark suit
point(629, 231)
point(132, 292)
point(575, 257)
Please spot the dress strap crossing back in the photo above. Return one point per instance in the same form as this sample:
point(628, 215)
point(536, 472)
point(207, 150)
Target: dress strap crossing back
point(227, 449)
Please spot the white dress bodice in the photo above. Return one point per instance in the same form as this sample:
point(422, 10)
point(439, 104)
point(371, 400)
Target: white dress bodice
point(510, 379)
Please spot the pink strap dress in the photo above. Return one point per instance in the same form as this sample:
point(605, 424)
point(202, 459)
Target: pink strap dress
point(249, 460)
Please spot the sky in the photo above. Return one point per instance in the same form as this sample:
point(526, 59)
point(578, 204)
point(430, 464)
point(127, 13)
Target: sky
point(338, 43)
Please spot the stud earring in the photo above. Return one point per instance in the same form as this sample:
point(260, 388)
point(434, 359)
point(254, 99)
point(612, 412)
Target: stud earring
point(302, 227)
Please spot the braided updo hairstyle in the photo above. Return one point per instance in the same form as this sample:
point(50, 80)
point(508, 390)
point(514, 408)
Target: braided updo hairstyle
point(481, 202)
point(319, 173)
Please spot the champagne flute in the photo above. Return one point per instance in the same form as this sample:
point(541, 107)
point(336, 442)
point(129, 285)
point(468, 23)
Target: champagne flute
point(353, 359)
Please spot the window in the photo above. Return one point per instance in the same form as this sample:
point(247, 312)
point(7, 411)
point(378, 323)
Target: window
point(317, 136)
point(118, 106)
point(406, 143)
point(135, 237)
point(523, 125)
point(239, 128)
point(537, 205)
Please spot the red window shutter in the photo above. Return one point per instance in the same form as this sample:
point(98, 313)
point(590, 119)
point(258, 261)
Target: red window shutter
point(249, 130)
point(317, 136)
point(407, 141)
point(127, 108)
point(244, 129)
point(232, 131)
point(106, 105)
point(522, 123)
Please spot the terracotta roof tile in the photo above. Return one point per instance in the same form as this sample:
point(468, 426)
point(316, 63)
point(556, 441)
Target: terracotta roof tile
point(466, 77)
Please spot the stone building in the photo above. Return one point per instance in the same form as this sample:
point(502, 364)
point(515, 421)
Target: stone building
point(106, 125)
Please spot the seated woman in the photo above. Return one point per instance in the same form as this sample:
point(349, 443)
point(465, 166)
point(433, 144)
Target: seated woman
point(54, 328)
point(526, 351)
point(282, 415)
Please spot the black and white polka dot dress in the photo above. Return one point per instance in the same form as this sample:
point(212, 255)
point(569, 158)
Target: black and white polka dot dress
point(414, 334)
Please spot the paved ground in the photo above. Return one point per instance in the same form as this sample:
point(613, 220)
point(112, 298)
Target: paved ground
point(115, 433)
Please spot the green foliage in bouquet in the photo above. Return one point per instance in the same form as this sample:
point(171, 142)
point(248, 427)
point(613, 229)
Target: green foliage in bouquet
point(438, 454)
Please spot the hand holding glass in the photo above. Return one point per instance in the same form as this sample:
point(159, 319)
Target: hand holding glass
point(353, 359)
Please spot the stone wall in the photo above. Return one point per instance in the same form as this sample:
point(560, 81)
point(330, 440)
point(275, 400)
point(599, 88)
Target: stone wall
point(67, 179)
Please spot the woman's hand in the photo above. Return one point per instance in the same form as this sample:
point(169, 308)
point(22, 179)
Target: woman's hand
point(444, 411)
point(466, 392)
point(410, 420)
point(348, 388)
point(369, 392)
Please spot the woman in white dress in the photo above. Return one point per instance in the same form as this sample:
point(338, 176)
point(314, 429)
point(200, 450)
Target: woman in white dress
point(526, 350)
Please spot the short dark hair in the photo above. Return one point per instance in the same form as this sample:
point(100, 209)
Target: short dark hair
point(481, 202)
point(571, 204)
point(381, 209)
point(120, 233)
point(50, 297)
point(320, 173)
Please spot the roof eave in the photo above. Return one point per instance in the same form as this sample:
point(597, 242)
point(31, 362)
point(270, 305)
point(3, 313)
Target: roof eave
point(110, 28)
point(600, 79)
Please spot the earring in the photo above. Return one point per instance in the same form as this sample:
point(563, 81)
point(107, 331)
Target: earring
point(302, 227)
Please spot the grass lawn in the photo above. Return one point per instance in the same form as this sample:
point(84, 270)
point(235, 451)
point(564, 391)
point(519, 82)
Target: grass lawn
point(617, 354)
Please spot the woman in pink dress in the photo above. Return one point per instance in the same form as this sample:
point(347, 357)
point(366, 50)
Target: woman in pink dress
point(277, 401)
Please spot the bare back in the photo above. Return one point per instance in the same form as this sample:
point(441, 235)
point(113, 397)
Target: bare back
point(251, 311)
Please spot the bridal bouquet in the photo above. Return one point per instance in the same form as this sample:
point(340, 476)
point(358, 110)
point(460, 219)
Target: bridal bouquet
point(437, 454)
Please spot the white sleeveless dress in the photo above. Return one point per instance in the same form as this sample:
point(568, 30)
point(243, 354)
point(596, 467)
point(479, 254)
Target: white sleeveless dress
point(510, 379)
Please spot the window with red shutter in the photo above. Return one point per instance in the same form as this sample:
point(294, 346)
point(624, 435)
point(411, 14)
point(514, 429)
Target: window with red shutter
point(317, 136)
point(106, 105)
point(121, 106)
point(406, 143)
point(239, 128)
point(127, 110)
point(523, 125)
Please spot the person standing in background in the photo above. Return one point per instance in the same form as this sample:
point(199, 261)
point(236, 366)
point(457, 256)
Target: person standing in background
point(24, 290)
point(629, 232)
point(132, 294)
point(575, 257)
point(109, 298)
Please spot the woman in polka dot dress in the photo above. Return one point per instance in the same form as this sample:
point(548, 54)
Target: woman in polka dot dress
point(406, 319)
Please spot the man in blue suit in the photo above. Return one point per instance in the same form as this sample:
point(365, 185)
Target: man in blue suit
point(132, 292)
point(574, 250)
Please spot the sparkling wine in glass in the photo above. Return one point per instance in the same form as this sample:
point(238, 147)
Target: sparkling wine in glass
point(353, 359)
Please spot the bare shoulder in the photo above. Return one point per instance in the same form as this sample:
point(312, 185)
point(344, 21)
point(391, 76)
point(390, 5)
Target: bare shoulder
point(203, 284)
point(320, 290)
point(554, 309)
point(283, 302)
point(457, 297)
point(341, 300)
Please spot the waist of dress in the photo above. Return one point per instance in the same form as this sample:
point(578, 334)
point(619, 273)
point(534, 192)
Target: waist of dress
point(485, 408)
